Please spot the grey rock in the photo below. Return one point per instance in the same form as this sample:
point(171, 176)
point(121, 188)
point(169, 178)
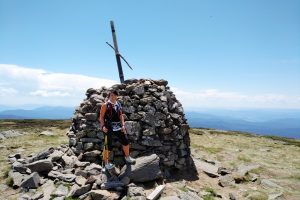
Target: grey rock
point(69, 161)
point(256, 194)
point(61, 191)
point(167, 130)
point(245, 169)
point(25, 197)
point(209, 169)
point(275, 196)
point(40, 166)
point(149, 131)
point(93, 140)
point(48, 188)
point(145, 169)
point(17, 178)
point(161, 82)
point(170, 198)
point(16, 155)
point(37, 196)
point(41, 155)
point(266, 183)
point(133, 128)
point(139, 90)
point(19, 167)
point(31, 181)
point(61, 176)
point(56, 155)
point(58, 198)
point(163, 98)
point(77, 190)
point(93, 166)
point(47, 133)
point(79, 172)
point(111, 185)
point(226, 180)
point(135, 191)
point(129, 110)
point(104, 195)
point(152, 143)
point(91, 116)
point(149, 119)
point(189, 196)
point(9, 134)
point(80, 180)
point(231, 196)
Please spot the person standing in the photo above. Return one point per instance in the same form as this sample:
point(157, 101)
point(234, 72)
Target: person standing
point(112, 123)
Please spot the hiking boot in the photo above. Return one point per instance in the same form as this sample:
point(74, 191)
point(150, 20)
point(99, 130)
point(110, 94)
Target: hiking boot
point(129, 160)
point(109, 166)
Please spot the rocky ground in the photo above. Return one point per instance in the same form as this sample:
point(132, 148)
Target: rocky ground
point(229, 165)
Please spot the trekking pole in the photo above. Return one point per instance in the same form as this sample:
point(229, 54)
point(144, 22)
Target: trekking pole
point(104, 151)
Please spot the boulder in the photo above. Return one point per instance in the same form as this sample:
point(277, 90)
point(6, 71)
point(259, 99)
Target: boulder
point(40, 166)
point(61, 176)
point(134, 190)
point(32, 181)
point(145, 169)
point(48, 188)
point(226, 180)
point(210, 169)
point(80, 180)
point(56, 155)
point(47, 133)
point(104, 195)
point(79, 190)
point(61, 191)
point(17, 178)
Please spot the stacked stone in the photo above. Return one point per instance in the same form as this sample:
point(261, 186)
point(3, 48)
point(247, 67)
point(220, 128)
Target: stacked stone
point(154, 120)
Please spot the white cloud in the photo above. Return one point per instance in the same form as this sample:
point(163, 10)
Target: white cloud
point(45, 93)
point(23, 85)
point(214, 98)
point(7, 92)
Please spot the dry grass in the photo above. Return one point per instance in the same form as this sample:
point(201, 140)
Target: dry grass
point(278, 157)
point(29, 143)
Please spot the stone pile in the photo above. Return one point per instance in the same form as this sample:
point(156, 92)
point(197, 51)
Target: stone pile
point(158, 135)
point(57, 173)
point(154, 120)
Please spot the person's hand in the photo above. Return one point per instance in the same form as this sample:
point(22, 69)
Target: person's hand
point(104, 129)
point(123, 129)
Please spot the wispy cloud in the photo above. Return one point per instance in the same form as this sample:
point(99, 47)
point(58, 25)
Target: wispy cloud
point(7, 92)
point(214, 98)
point(24, 85)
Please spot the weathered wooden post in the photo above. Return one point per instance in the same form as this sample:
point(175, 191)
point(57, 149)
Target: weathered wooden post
point(121, 75)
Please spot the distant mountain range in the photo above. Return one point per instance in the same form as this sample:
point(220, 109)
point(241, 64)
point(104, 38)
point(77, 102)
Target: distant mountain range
point(46, 112)
point(280, 125)
point(267, 122)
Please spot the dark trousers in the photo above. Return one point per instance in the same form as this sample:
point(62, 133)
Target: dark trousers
point(122, 137)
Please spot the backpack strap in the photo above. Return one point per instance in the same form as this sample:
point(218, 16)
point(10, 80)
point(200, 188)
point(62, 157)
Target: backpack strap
point(109, 108)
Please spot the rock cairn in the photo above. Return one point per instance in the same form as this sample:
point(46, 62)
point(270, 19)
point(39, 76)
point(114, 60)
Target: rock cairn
point(154, 120)
point(158, 133)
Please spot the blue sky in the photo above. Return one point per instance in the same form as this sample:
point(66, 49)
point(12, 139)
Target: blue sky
point(243, 54)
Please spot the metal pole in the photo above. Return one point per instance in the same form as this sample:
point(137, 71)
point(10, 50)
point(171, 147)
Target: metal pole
point(121, 75)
